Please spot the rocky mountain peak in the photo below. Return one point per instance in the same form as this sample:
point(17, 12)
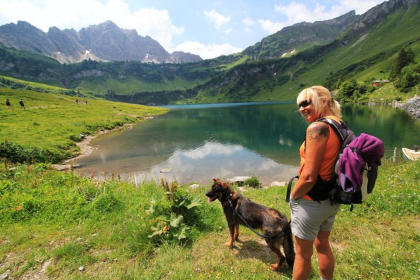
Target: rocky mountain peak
point(104, 42)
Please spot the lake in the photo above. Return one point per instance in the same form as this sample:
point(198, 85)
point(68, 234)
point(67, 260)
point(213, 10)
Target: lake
point(195, 143)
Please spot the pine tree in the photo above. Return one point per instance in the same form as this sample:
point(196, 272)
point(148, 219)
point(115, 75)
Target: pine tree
point(405, 57)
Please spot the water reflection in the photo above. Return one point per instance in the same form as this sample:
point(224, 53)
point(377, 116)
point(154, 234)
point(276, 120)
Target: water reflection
point(197, 143)
point(215, 160)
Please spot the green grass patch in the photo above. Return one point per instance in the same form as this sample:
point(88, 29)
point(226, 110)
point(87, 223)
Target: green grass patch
point(131, 85)
point(63, 226)
point(50, 125)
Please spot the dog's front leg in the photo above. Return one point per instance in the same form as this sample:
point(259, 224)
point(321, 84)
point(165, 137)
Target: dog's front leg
point(232, 236)
point(236, 233)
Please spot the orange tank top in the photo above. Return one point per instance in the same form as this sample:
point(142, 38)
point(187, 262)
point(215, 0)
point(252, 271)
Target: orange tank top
point(326, 170)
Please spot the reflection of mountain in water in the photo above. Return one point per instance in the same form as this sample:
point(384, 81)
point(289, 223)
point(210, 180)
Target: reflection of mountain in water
point(237, 140)
point(263, 135)
point(216, 160)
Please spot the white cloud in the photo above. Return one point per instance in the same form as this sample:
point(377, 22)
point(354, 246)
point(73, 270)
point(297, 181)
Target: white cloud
point(207, 51)
point(271, 26)
point(212, 149)
point(360, 6)
point(216, 18)
point(81, 13)
point(298, 12)
point(228, 31)
point(248, 21)
point(157, 24)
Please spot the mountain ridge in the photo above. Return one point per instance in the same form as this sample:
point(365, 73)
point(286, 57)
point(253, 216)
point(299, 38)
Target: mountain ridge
point(356, 53)
point(300, 36)
point(102, 42)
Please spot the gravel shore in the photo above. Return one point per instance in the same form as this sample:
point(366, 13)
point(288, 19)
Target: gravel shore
point(412, 106)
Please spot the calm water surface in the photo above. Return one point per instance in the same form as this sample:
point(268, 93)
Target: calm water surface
point(195, 143)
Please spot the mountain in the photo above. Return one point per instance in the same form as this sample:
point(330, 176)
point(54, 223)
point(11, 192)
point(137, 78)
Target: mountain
point(300, 36)
point(102, 42)
point(364, 51)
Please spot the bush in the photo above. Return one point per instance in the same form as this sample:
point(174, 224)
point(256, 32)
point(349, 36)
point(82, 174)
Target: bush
point(253, 182)
point(19, 154)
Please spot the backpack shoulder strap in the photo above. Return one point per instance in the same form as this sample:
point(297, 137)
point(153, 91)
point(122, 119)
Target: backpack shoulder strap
point(340, 129)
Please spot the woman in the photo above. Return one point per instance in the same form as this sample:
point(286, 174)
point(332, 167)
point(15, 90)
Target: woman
point(312, 213)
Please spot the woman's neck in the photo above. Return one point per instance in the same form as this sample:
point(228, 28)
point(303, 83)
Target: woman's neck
point(326, 112)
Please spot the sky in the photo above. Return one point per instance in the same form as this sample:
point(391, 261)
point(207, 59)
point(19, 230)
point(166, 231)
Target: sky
point(207, 28)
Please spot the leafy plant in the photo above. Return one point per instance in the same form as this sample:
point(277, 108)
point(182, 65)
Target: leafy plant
point(253, 182)
point(175, 221)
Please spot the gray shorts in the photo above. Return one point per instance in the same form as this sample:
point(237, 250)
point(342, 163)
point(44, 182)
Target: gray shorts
point(310, 217)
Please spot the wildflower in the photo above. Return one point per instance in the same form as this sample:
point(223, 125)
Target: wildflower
point(19, 208)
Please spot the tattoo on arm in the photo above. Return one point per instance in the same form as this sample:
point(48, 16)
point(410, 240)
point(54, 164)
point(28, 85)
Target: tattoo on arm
point(317, 131)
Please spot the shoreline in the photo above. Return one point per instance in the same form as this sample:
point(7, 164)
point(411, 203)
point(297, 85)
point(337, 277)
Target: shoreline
point(411, 106)
point(86, 148)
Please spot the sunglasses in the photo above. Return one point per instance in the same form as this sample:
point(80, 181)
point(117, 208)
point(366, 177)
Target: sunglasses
point(305, 103)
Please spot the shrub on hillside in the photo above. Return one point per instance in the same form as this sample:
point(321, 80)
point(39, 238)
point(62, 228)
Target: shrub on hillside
point(352, 91)
point(409, 77)
point(19, 154)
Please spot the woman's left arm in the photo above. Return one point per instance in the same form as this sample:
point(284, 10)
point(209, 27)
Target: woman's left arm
point(317, 135)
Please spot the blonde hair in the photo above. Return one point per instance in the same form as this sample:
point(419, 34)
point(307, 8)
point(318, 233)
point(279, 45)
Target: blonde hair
point(316, 94)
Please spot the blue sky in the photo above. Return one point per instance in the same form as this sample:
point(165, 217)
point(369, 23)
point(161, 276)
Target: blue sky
point(206, 28)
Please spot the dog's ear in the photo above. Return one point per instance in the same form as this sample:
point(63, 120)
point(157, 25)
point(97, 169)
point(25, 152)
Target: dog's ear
point(216, 180)
point(224, 185)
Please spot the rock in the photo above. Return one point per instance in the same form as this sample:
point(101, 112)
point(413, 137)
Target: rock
point(238, 180)
point(81, 268)
point(412, 106)
point(64, 167)
point(45, 266)
point(194, 186)
point(278, 184)
point(5, 275)
point(166, 170)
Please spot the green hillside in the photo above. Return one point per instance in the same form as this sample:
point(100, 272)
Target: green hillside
point(365, 51)
point(49, 126)
point(99, 78)
point(300, 36)
point(364, 57)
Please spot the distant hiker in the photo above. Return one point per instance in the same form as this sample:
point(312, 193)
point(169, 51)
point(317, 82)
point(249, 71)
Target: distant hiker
point(22, 104)
point(77, 101)
point(86, 101)
point(8, 103)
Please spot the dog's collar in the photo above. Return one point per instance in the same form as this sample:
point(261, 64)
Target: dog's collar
point(234, 196)
point(232, 199)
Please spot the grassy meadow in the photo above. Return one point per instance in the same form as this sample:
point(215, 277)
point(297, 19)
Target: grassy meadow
point(131, 85)
point(49, 126)
point(63, 226)
point(59, 225)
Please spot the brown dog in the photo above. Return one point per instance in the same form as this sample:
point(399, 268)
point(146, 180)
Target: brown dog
point(240, 210)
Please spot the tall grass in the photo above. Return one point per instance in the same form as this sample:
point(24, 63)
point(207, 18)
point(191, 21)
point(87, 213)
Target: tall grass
point(115, 230)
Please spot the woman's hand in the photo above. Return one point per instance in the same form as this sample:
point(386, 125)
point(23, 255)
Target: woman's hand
point(317, 135)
